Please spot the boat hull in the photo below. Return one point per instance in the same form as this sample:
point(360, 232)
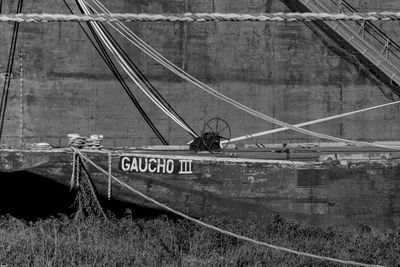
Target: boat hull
point(331, 193)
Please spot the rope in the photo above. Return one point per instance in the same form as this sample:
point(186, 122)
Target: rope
point(132, 75)
point(202, 17)
point(103, 54)
point(308, 123)
point(241, 237)
point(109, 175)
point(78, 171)
point(91, 188)
point(135, 40)
point(10, 63)
point(77, 164)
point(73, 176)
point(145, 81)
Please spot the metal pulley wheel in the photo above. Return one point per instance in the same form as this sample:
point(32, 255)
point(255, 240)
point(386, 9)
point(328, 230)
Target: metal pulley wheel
point(214, 131)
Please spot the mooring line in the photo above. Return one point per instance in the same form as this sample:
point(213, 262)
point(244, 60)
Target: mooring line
point(203, 17)
point(91, 187)
point(73, 176)
point(241, 237)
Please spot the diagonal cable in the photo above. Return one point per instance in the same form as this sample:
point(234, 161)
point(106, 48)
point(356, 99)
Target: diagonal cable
point(144, 80)
point(104, 55)
point(129, 71)
point(134, 39)
point(10, 63)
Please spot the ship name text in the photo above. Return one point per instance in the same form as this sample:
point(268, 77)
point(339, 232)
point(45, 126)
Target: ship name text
point(155, 165)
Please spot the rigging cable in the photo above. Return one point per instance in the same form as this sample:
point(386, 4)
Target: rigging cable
point(144, 79)
point(276, 130)
point(129, 71)
point(131, 74)
point(8, 74)
point(104, 55)
point(169, 65)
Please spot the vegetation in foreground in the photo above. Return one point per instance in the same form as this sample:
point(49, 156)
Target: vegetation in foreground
point(170, 242)
point(87, 239)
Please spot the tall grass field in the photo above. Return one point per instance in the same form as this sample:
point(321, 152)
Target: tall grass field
point(165, 241)
point(34, 235)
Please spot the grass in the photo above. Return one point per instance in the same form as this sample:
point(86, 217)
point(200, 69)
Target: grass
point(170, 241)
point(163, 241)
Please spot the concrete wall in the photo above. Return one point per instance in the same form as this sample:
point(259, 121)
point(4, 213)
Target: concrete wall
point(60, 84)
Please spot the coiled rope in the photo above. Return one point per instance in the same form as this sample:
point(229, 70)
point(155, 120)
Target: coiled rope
point(202, 17)
point(241, 237)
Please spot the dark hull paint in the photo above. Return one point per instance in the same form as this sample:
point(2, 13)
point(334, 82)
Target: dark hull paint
point(335, 193)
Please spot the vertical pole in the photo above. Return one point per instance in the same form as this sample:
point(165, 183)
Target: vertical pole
point(21, 100)
point(109, 175)
point(184, 41)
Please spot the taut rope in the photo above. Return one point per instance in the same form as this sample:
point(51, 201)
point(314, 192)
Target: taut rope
point(135, 40)
point(249, 136)
point(201, 17)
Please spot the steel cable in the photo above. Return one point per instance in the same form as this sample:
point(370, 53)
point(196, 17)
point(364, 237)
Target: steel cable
point(144, 80)
point(129, 71)
point(10, 63)
point(104, 55)
point(134, 39)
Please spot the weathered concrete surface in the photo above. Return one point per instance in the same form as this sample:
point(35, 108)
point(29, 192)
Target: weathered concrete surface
point(281, 69)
